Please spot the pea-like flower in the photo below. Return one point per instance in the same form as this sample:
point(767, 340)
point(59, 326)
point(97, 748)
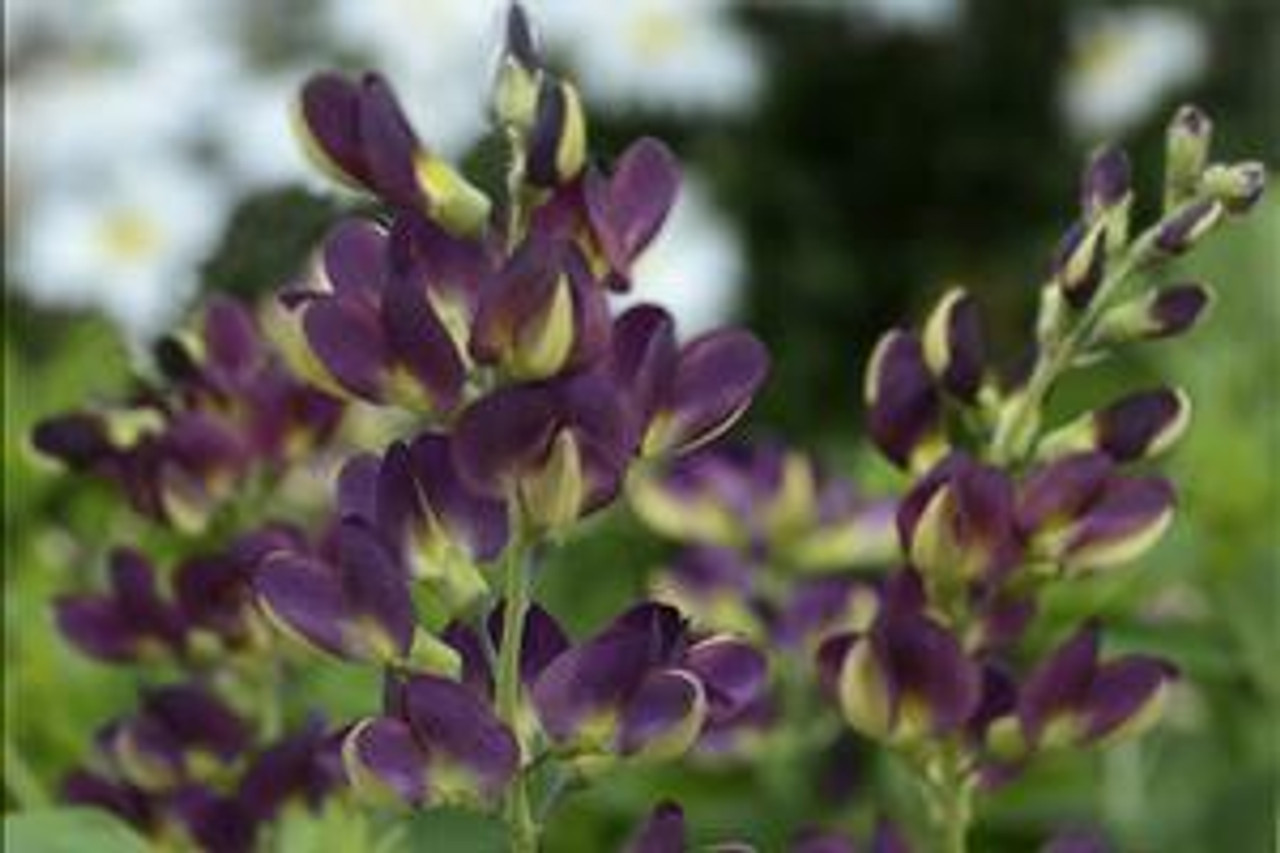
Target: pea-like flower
point(907, 677)
point(358, 133)
point(1074, 698)
point(349, 597)
point(681, 397)
point(644, 686)
point(1079, 513)
point(775, 505)
point(437, 742)
point(1138, 426)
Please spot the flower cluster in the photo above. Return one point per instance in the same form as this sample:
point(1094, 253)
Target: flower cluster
point(187, 769)
point(226, 412)
point(1003, 505)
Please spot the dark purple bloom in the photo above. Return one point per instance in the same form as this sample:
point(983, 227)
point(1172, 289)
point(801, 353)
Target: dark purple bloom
point(643, 685)
point(440, 743)
point(557, 144)
point(542, 314)
point(441, 527)
point(1174, 309)
point(906, 678)
point(1079, 263)
point(372, 323)
point(305, 765)
point(682, 397)
point(1073, 697)
point(358, 132)
point(1078, 512)
point(953, 345)
point(130, 620)
point(904, 410)
point(1185, 226)
point(957, 524)
point(1142, 424)
point(662, 832)
point(556, 449)
point(628, 208)
point(544, 640)
point(773, 504)
point(353, 602)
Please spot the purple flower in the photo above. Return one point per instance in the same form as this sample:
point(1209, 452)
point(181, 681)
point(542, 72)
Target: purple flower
point(643, 685)
point(543, 641)
point(954, 347)
point(542, 314)
point(778, 505)
point(441, 528)
point(437, 743)
point(358, 133)
point(556, 450)
point(906, 678)
point(904, 409)
point(372, 326)
point(682, 397)
point(1138, 426)
point(627, 209)
point(886, 839)
point(1079, 513)
point(350, 599)
point(958, 523)
point(1074, 698)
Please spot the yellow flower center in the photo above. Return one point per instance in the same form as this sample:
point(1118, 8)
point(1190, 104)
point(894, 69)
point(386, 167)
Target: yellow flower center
point(656, 34)
point(129, 235)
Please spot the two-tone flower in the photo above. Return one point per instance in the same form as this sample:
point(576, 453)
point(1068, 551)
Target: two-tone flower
point(1075, 698)
point(682, 396)
point(208, 607)
point(911, 378)
point(905, 679)
point(437, 742)
point(356, 130)
point(1078, 513)
point(1138, 426)
point(348, 597)
point(644, 686)
point(774, 504)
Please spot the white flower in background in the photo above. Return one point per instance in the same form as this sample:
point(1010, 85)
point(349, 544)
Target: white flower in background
point(131, 248)
point(680, 55)
point(1125, 62)
point(695, 267)
point(924, 16)
point(256, 139)
point(440, 56)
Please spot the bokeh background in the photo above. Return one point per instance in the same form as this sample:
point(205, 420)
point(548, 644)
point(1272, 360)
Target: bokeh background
point(846, 160)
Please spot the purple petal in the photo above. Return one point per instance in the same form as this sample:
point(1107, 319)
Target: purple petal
point(1127, 514)
point(85, 788)
point(387, 143)
point(1176, 308)
point(305, 596)
point(346, 336)
point(330, 108)
point(668, 703)
point(830, 659)
point(1141, 423)
point(628, 209)
point(419, 341)
point(357, 487)
point(1121, 690)
point(716, 376)
point(133, 584)
point(96, 627)
point(926, 661)
point(643, 359)
point(1059, 684)
point(1062, 489)
point(477, 521)
point(375, 585)
point(233, 344)
point(456, 725)
point(78, 440)
point(903, 409)
point(732, 673)
point(387, 753)
point(544, 639)
point(355, 258)
point(502, 433)
point(197, 718)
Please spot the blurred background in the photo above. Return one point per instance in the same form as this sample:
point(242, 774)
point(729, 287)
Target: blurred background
point(845, 161)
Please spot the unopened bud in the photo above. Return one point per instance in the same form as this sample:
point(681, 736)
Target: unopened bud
point(1185, 227)
point(1186, 154)
point(1105, 183)
point(1160, 313)
point(558, 139)
point(953, 346)
point(1238, 186)
point(1080, 263)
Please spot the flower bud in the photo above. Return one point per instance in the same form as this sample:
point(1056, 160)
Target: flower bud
point(1238, 186)
point(953, 345)
point(1138, 426)
point(1080, 263)
point(1106, 182)
point(1186, 153)
point(515, 91)
point(553, 495)
point(1185, 227)
point(957, 524)
point(1159, 313)
point(458, 205)
point(558, 139)
point(904, 412)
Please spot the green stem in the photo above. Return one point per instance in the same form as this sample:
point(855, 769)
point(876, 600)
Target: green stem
point(948, 789)
point(1013, 437)
point(522, 830)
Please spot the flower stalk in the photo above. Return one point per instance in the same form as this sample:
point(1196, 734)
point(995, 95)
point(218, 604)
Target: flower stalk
point(522, 829)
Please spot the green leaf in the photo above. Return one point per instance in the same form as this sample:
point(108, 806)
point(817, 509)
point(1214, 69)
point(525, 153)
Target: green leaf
point(69, 831)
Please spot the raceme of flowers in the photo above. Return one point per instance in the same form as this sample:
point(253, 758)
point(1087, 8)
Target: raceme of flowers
point(478, 325)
